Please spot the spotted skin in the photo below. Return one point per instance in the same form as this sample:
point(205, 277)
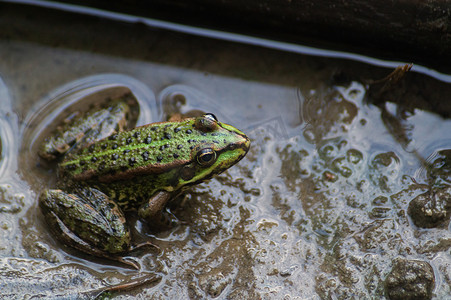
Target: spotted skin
point(139, 169)
point(130, 166)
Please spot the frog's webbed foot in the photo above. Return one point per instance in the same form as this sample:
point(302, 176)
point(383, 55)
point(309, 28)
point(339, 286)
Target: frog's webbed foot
point(153, 211)
point(130, 262)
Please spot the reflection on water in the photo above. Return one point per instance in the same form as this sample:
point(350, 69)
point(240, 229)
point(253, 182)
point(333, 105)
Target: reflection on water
point(318, 208)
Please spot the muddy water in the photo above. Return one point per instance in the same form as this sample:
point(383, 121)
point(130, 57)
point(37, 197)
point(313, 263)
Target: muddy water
point(317, 209)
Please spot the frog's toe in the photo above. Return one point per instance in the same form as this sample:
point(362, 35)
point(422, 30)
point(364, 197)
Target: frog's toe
point(147, 244)
point(127, 261)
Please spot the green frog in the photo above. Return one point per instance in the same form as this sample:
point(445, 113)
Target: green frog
point(105, 170)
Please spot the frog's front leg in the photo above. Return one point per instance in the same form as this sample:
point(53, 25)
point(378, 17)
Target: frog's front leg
point(153, 210)
point(87, 220)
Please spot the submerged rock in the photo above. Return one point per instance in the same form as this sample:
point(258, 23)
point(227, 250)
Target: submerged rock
point(431, 209)
point(410, 279)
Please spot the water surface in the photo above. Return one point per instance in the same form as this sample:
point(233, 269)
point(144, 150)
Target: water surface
point(317, 209)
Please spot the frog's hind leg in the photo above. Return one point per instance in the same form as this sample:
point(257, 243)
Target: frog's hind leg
point(82, 130)
point(88, 221)
point(67, 237)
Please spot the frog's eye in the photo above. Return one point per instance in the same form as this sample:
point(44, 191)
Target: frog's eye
point(206, 123)
point(211, 116)
point(206, 157)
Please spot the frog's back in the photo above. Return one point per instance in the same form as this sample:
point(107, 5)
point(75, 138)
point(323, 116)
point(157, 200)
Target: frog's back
point(147, 150)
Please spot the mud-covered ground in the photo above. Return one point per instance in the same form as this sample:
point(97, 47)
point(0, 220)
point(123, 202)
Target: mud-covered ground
point(344, 194)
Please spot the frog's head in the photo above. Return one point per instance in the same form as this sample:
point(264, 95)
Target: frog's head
point(217, 147)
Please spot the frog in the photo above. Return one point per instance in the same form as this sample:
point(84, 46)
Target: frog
point(105, 170)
